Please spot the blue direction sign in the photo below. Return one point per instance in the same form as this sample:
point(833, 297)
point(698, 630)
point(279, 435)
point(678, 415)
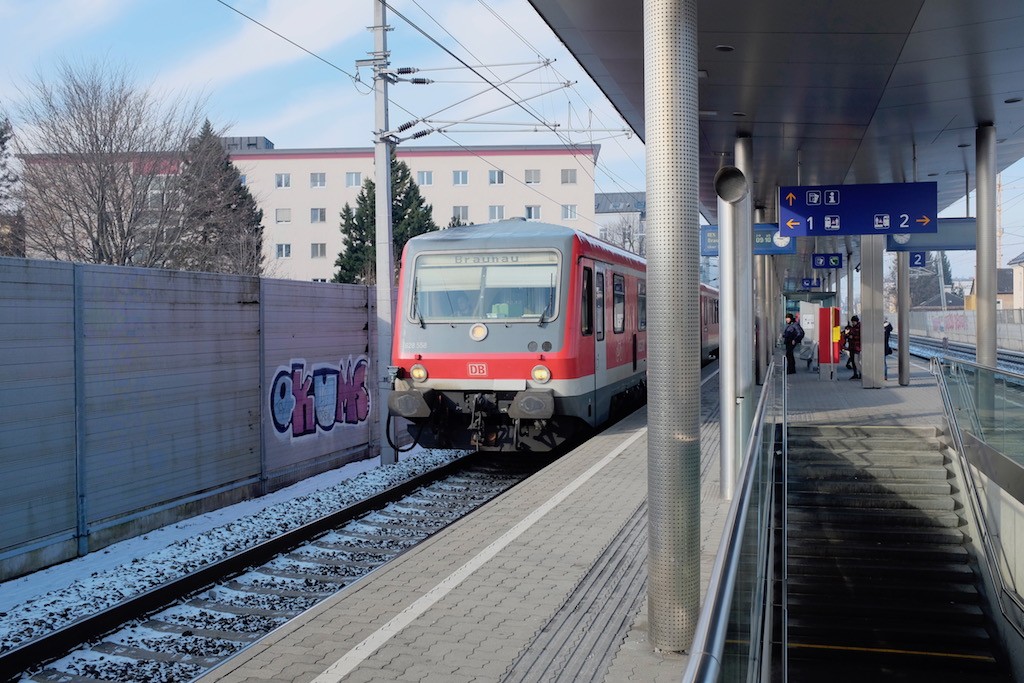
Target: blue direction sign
point(890, 208)
point(826, 260)
point(767, 240)
point(954, 234)
point(918, 259)
point(810, 282)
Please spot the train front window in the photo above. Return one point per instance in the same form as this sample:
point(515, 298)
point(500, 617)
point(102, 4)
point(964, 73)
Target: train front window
point(520, 286)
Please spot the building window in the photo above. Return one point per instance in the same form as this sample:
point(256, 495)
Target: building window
point(284, 251)
point(533, 213)
point(319, 279)
point(424, 177)
point(283, 215)
point(496, 213)
point(318, 180)
point(282, 180)
point(568, 212)
point(460, 177)
point(495, 177)
point(568, 176)
point(460, 213)
point(318, 250)
point(353, 179)
point(318, 215)
point(533, 176)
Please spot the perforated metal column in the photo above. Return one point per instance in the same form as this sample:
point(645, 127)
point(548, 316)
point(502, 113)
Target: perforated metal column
point(673, 334)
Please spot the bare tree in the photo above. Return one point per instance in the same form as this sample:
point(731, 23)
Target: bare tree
point(626, 233)
point(102, 157)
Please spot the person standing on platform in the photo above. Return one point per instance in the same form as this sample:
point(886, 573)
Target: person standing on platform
point(791, 336)
point(854, 338)
point(887, 329)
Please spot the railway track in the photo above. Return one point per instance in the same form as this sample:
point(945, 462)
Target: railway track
point(181, 629)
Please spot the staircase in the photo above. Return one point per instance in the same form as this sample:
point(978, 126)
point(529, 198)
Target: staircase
point(881, 584)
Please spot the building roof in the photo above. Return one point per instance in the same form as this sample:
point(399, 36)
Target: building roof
point(421, 150)
point(952, 301)
point(1017, 259)
point(620, 202)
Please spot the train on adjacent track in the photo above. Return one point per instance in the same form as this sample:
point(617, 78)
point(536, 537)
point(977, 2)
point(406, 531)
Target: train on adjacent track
point(516, 336)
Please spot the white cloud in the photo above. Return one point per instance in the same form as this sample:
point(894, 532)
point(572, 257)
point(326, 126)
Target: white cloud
point(316, 25)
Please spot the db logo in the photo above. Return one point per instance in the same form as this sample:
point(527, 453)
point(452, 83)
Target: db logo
point(478, 369)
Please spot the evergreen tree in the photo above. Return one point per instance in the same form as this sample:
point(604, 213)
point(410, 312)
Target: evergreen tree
point(410, 216)
point(224, 226)
point(12, 224)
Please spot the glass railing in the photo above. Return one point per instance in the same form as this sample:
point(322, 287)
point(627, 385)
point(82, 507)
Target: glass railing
point(985, 408)
point(731, 637)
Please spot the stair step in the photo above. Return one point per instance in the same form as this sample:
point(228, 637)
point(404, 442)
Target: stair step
point(839, 666)
point(815, 534)
point(846, 570)
point(859, 444)
point(866, 518)
point(838, 469)
point(819, 456)
point(869, 633)
point(855, 606)
point(863, 431)
point(879, 551)
point(876, 501)
point(862, 485)
point(909, 592)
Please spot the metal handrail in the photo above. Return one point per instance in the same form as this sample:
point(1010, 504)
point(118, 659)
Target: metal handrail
point(705, 663)
point(974, 496)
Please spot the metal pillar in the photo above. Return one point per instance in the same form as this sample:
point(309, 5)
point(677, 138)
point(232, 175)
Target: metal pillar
point(903, 315)
point(743, 218)
point(731, 186)
point(871, 297)
point(673, 229)
point(385, 262)
point(985, 271)
point(985, 138)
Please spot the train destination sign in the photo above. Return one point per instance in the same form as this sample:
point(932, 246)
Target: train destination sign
point(885, 209)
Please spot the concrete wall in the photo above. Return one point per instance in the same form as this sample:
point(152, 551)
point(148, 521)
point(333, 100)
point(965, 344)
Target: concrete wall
point(131, 398)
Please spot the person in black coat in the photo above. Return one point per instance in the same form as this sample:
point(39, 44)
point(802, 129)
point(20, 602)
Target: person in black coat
point(791, 337)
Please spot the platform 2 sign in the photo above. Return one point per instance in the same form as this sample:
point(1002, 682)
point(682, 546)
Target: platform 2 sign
point(886, 209)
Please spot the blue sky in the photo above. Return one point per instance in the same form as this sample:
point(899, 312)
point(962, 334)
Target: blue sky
point(255, 83)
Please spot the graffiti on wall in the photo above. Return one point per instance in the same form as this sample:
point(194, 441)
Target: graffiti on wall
point(304, 402)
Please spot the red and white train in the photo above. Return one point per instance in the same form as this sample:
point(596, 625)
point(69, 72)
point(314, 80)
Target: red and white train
point(518, 335)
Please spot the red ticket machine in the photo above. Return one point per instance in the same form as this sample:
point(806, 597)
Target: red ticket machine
point(828, 340)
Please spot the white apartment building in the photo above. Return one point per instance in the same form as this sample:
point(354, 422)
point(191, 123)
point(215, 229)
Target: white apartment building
point(302, 192)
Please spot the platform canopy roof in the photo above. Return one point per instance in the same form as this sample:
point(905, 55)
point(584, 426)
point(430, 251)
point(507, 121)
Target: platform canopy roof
point(848, 91)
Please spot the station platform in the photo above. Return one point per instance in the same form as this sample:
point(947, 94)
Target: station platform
point(547, 582)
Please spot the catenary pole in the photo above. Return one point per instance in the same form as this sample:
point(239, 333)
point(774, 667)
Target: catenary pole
point(385, 262)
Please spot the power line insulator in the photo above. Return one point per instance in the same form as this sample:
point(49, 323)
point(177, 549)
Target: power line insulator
point(402, 71)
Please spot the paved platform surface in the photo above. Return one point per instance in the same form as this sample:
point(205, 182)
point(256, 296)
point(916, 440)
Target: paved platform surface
point(548, 582)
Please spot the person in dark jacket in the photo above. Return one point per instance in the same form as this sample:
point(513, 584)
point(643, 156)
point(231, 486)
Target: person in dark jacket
point(887, 329)
point(854, 338)
point(791, 337)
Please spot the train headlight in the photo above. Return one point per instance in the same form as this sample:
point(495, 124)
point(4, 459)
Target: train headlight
point(540, 374)
point(478, 332)
point(418, 373)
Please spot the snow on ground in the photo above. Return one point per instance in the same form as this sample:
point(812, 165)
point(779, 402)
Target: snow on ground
point(34, 604)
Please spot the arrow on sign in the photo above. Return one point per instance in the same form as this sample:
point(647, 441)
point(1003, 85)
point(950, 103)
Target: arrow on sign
point(790, 197)
point(792, 223)
point(924, 220)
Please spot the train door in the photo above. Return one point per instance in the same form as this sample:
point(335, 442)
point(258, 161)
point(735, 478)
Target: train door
point(591, 313)
point(602, 399)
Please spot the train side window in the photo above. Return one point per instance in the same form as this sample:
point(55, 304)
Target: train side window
point(618, 303)
point(641, 304)
point(587, 317)
point(599, 319)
